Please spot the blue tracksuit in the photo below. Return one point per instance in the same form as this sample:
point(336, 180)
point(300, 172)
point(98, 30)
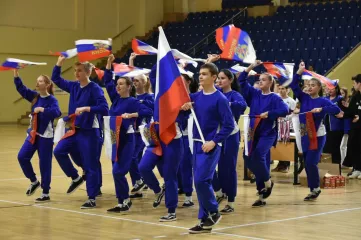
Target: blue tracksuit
point(126, 136)
point(265, 135)
point(312, 157)
point(216, 122)
point(227, 174)
point(86, 139)
point(44, 138)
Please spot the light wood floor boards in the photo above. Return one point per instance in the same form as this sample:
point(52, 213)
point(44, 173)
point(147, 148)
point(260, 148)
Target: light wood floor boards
point(336, 214)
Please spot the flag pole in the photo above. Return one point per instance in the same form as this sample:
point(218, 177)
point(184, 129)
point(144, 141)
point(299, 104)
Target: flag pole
point(197, 124)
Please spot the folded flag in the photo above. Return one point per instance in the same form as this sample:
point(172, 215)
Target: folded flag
point(32, 128)
point(13, 63)
point(330, 84)
point(170, 91)
point(283, 72)
point(305, 130)
point(141, 48)
point(238, 46)
point(100, 73)
point(112, 125)
point(65, 128)
point(124, 70)
point(93, 49)
point(67, 54)
point(250, 124)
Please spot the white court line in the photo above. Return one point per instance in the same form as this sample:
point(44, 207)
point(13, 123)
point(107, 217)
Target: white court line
point(289, 219)
point(159, 236)
point(119, 218)
point(18, 179)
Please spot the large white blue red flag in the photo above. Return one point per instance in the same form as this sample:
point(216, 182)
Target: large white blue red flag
point(222, 35)
point(238, 69)
point(170, 91)
point(238, 45)
point(89, 50)
point(330, 84)
point(112, 125)
point(13, 63)
point(283, 72)
point(67, 54)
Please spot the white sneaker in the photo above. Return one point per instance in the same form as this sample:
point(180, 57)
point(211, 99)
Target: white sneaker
point(355, 174)
point(359, 177)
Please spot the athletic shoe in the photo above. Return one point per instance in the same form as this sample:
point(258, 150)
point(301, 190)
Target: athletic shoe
point(312, 196)
point(121, 208)
point(227, 209)
point(74, 185)
point(89, 204)
point(266, 192)
point(354, 174)
point(187, 204)
point(136, 195)
point(138, 187)
point(221, 199)
point(259, 203)
point(212, 220)
point(197, 229)
point(43, 198)
point(32, 188)
point(170, 217)
point(158, 198)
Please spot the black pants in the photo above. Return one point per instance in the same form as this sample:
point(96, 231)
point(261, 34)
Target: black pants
point(332, 146)
point(353, 156)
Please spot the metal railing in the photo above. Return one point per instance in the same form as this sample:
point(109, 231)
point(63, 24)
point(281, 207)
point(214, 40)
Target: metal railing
point(210, 38)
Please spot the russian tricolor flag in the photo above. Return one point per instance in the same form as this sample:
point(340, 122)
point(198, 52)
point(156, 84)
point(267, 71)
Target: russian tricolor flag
point(222, 35)
point(124, 70)
point(13, 63)
point(170, 91)
point(93, 49)
point(238, 46)
point(112, 125)
point(67, 54)
point(142, 48)
point(282, 71)
point(330, 84)
point(238, 69)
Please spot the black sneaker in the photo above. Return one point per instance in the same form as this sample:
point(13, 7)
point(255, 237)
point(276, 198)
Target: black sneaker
point(89, 204)
point(188, 204)
point(212, 220)
point(159, 198)
point(227, 209)
point(136, 195)
point(74, 185)
point(145, 188)
point(259, 203)
point(43, 198)
point(170, 217)
point(121, 208)
point(266, 192)
point(197, 229)
point(32, 188)
point(221, 199)
point(312, 196)
point(138, 187)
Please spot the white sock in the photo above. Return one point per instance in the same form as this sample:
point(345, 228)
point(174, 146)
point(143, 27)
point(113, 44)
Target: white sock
point(34, 183)
point(230, 204)
point(189, 198)
point(268, 184)
point(45, 195)
point(316, 189)
point(219, 193)
point(139, 182)
point(77, 179)
point(126, 201)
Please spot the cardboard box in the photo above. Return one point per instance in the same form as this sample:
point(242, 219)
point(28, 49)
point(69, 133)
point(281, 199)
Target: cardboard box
point(329, 176)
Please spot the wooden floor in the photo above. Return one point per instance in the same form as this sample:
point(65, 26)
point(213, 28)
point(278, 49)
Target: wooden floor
point(336, 214)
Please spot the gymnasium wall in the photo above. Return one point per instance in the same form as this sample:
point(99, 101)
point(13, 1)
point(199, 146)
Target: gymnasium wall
point(29, 29)
point(348, 68)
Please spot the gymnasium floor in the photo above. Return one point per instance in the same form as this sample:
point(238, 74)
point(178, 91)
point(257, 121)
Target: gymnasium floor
point(336, 214)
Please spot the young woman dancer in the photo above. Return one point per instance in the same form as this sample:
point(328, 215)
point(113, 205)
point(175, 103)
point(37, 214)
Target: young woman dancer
point(45, 109)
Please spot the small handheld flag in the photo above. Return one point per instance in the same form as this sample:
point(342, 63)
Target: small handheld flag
point(142, 48)
point(67, 54)
point(124, 70)
point(330, 84)
point(282, 71)
point(13, 63)
point(93, 49)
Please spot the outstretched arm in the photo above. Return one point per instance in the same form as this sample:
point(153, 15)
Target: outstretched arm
point(25, 92)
